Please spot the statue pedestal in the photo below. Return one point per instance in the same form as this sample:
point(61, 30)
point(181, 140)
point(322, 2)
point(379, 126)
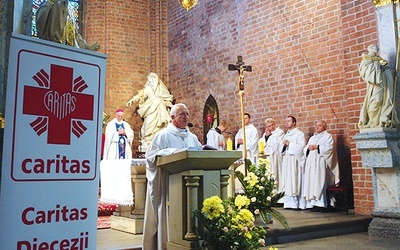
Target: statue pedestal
point(128, 223)
point(380, 151)
point(130, 219)
point(195, 175)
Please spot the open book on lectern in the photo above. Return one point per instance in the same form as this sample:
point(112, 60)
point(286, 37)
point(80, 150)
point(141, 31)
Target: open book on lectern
point(170, 151)
point(197, 148)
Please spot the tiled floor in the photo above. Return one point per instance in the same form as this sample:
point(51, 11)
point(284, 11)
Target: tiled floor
point(108, 239)
point(356, 241)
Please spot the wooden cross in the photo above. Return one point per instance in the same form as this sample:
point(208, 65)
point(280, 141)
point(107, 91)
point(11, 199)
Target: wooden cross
point(241, 68)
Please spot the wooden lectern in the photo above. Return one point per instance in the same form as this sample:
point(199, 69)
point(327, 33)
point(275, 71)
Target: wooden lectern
point(195, 175)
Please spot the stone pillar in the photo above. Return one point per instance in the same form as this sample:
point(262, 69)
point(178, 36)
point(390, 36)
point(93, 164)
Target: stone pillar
point(225, 176)
point(139, 186)
point(385, 20)
point(388, 23)
point(192, 185)
point(380, 151)
point(380, 147)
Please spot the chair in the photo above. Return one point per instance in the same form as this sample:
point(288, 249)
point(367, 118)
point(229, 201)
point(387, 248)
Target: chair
point(341, 192)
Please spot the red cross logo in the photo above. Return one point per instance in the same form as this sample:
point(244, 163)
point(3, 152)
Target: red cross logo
point(59, 103)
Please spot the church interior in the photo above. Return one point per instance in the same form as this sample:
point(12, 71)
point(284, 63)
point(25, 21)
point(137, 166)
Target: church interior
point(304, 57)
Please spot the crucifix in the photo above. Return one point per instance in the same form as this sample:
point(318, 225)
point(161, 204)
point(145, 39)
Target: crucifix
point(241, 68)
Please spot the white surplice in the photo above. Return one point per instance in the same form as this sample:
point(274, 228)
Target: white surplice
point(213, 138)
point(321, 170)
point(292, 158)
point(251, 141)
point(273, 150)
point(155, 232)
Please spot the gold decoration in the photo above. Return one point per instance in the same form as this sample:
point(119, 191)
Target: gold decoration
point(70, 34)
point(2, 120)
point(188, 4)
point(379, 3)
point(70, 28)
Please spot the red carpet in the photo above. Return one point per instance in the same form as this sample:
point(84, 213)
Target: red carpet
point(104, 213)
point(105, 209)
point(103, 222)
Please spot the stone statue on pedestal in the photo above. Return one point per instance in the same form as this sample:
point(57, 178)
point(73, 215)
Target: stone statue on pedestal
point(155, 101)
point(378, 107)
point(55, 23)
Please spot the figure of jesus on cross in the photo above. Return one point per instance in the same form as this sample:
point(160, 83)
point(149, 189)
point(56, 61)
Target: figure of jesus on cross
point(241, 68)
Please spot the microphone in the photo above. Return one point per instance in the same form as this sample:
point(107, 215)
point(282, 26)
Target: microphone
point(190, 125)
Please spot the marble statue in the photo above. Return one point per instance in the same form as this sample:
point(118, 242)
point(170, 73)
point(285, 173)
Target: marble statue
point(55, 23)
point(155, 102)
point(378, 108)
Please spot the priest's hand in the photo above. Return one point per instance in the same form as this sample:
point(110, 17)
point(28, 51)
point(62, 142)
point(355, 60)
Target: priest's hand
point(121, 131)
point(313, 147)
point(286, 142)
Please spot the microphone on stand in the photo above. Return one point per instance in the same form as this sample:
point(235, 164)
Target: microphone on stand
point(190, 125)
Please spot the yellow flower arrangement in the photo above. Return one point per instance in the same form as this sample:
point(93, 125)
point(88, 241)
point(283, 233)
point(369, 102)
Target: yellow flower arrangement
point(213, 207)
point(260, 187)
point(228, 224)
point(241, 201)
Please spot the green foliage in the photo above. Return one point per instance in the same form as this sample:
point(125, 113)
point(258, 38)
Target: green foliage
point(260, 187)
point(105, 118)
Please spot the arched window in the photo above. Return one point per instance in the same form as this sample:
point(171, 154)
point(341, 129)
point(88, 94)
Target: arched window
point(74, 7)
point(210, 115)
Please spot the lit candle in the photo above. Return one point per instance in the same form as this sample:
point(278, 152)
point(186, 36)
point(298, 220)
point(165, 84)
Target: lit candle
point(261, 147)
point(229, 145)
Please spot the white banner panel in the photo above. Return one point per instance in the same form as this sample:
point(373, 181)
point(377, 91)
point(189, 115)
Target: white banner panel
point(52, 140)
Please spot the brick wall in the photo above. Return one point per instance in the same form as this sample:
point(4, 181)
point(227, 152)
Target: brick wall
point(359, 31)
point(132, 33)
point(304, 56)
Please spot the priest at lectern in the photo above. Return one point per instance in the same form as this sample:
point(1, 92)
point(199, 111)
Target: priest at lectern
point(175, 136)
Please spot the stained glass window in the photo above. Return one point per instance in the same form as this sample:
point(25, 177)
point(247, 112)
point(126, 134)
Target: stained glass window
point(73, 8)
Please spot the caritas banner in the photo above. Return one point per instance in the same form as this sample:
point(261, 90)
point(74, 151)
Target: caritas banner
point(51, 147)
